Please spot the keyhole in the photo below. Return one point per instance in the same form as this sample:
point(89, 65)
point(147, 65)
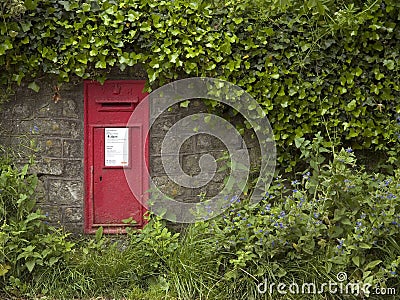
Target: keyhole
point(101, 178)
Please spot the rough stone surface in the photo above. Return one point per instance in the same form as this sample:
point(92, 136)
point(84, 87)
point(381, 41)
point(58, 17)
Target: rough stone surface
point(33, 124)
point(73, 169)
point(54, 213)
point(41, 193)
point(156, 146)
point(65, 192)
point(73, 215)
point(50, 147)
point(72, 148)
point(48, 166)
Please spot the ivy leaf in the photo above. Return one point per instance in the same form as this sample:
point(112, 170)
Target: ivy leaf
point(152, 74)
point(194, 5)
point(82, 59)
point(66, 4)
point(184, 103)
point(352, 105)
point(231, 65)
point(31, 4)
point(79, 71)
point(237, 20)
point(389, 63)
point(101, 64)
point(86, 7)
point(173, 57)
point(125, 59)
point(26, 25)
point(299, 141)
point(6, 45)
point(379, 76)
point(18, 77)
point(93, 52)
point(133, 16)
point(226, 47)
point(34, 86)
point(13, 33)
point(174, 31)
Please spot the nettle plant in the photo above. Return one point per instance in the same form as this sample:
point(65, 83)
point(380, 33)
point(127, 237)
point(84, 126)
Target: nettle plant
point(343, 220)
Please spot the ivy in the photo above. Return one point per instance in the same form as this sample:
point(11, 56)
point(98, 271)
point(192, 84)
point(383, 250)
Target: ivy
point(312, 65)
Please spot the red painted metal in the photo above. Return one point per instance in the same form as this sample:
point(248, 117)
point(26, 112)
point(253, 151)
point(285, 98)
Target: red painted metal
point(108, 198)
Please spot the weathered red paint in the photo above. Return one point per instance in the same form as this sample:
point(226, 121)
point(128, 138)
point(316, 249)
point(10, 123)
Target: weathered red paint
point(108, 198)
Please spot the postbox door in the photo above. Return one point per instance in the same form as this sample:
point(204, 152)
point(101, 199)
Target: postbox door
point(113, 200)
point(112, 146)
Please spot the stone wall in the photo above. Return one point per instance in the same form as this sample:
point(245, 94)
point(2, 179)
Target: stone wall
point(33, 123)
point(191, 151)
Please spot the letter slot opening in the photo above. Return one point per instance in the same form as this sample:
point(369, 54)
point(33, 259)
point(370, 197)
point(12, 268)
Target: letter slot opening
point(116, 106)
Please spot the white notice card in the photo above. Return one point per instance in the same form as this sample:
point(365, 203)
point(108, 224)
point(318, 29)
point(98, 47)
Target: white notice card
point(116, 147)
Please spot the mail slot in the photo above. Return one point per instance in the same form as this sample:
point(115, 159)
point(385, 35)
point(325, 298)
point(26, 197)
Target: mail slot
point(110, 147)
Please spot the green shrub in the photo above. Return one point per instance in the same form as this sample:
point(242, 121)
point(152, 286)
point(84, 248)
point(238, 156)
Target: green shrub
point(28, 246)
point(312, 228)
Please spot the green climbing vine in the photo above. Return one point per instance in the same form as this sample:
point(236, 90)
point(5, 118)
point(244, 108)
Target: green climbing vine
point(312, 65)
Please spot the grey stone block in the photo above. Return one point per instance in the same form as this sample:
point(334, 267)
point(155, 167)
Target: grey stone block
point(73, 215)
point(156, 164)
point(75, 228)
point(162, 124)
point(53, 213)
point(51, 147)
point(65, 192)
point(22, 110)
point(7, 126)
point(73, 169)
point(190, 163)
point(63, 128)
point(72, 148)
point(210, 190)
point(206, 142)
point(50, 128)
point(250, 139)
point(170, 188)
point(49, 109)
point(156, 144)
point(48, 166)
point(71, 109)
point(26, 127)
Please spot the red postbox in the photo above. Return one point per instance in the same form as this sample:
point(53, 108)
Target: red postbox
point(110, 146)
